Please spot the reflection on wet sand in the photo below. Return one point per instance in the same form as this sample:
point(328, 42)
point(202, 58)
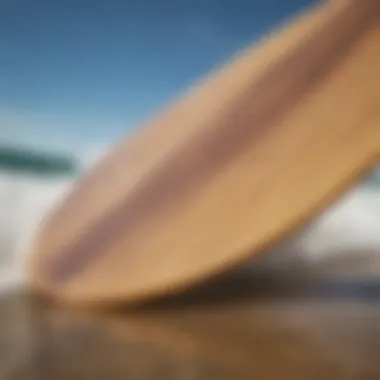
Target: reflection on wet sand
point(258, 322)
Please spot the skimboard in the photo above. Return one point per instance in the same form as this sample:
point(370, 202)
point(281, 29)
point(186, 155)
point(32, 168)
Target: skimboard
point(246, 156)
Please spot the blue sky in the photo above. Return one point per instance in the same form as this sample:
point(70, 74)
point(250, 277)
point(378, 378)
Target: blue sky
point(81, 72)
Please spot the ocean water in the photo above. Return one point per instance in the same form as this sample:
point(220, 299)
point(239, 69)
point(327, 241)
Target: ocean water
point(348, 232)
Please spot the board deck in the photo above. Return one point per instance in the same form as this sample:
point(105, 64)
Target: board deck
point(243, 158)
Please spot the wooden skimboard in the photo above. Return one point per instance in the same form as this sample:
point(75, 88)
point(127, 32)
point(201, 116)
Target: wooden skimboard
point(238, 162)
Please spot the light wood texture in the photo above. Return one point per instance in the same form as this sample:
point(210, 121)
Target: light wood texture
point(242, 159)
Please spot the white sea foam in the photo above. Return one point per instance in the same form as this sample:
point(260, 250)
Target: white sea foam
point(24, 201)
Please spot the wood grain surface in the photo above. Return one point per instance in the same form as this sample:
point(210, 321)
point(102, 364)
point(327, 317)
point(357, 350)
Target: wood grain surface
point(261, 322)
point(240, 160)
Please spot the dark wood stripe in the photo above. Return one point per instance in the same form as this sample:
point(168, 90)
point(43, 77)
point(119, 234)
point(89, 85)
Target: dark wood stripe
point(250, 116)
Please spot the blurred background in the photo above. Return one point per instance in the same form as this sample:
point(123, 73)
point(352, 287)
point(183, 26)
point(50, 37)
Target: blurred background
point(78, 75)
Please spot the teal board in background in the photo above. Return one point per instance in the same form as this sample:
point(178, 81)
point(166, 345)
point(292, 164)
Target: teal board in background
point(29, 162)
